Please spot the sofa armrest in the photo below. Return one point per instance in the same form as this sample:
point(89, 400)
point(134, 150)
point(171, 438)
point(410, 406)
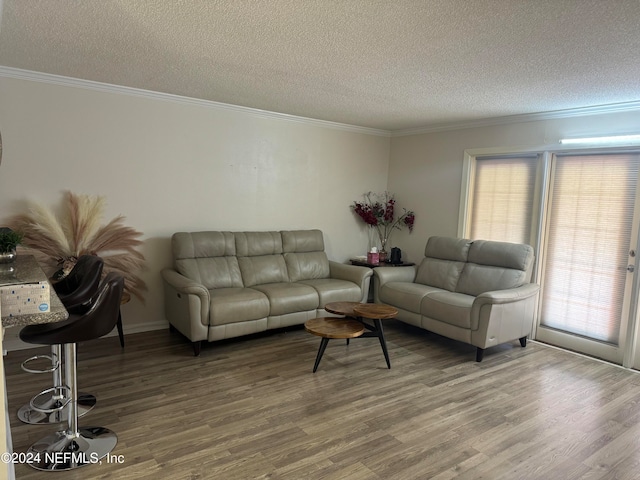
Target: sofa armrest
point(394, 274)
point(507, 296)
point(504, 315)
point(384, 275)
point(361, 276)
point(186, 305)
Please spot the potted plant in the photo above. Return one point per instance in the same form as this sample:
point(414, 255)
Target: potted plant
point(9, 240)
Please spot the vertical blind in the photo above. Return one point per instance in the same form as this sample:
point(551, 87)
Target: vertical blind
point(589, 231)
point(502, 200)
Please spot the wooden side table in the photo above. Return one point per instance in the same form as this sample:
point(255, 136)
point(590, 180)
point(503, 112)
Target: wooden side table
point(364, 263)
point(361, 263)
point(329, 328)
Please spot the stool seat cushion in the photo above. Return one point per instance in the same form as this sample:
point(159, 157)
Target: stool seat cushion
point(97, 321)
point(82, 282)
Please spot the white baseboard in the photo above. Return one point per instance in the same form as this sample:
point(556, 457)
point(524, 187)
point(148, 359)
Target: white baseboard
point(12, 340)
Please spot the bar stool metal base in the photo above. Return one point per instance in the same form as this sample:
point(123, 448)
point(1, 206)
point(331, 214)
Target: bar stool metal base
point(64, 451)
point(26, 414)
point(53, 361)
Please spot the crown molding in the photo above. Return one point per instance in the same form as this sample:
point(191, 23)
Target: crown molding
point(30, 75)
point(522, 118)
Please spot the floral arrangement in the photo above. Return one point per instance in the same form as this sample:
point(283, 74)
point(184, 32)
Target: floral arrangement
point(378, 211)
point(60, 240)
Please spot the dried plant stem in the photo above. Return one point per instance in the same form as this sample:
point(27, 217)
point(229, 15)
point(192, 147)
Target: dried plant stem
point(77, 231)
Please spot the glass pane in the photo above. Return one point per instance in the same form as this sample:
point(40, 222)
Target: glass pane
point(590, 221)
point(503, 199)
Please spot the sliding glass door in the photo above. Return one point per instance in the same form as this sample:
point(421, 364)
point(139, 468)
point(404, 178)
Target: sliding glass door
point(588, 256)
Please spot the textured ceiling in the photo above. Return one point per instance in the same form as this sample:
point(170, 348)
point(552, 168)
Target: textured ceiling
point(387, 64)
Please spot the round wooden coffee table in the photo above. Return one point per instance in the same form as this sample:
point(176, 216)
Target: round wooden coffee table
point(342, 308)
point(329, 328)
point(376, 312)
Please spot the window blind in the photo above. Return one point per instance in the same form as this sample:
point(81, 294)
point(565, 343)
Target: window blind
point(590, 221)
point(502, 201)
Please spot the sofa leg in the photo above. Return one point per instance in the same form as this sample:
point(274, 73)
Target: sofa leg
point(196, 348)
point(479, 354)
point(523, 342)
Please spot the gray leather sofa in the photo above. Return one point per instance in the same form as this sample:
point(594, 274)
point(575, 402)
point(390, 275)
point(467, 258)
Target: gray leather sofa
point(228, 284)
point(477, 292)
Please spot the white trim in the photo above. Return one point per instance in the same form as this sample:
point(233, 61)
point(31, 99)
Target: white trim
point(527, 117)
point(29, 75)
point(468, 167)
point(582, 355)
point(138, 92)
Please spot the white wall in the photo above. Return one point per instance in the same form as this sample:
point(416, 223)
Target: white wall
point(171, 166)
point(177, 166)
point(426, 169)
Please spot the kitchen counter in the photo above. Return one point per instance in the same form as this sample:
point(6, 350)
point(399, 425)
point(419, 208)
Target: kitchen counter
point(28, 270)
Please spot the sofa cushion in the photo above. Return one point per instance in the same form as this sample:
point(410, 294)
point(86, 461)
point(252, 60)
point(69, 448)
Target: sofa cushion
point(207, 258)
point(289, 297)
point(405, 294)
point(231, 305)
point(203, 244)
point(249, 244)
point(217, 272)
point(495, 266)
point(449, 307)
point(443, 263)
point(501, 254)
point(439, 273)
point(333, 290)
point(263, 269)
point(306, 266)
point(447, 248)
point(477, 279)
point(301, 241)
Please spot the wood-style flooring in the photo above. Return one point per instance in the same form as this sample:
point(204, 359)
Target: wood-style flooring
point(251, 408)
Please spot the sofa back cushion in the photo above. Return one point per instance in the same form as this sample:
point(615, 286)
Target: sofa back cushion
point(263, 269)
point(253, 244)
point(496, 266)
point(301, 241)
point(260, 258)
point(207, 258)
point(307, 266)
point(304, 255)
point(444, 261)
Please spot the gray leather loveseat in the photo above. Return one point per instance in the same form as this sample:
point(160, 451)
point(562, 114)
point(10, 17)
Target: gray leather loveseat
point(477, 292)
point(228, 284)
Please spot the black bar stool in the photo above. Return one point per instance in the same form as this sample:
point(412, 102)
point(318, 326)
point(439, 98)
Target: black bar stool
point(75, 447)
point(75, 290)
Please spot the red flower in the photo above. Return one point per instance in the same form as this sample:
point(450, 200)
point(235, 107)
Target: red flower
point(380, 214)
point(409, 219)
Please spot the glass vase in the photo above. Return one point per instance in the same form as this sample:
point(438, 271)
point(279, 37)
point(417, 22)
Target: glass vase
point(8, 257)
